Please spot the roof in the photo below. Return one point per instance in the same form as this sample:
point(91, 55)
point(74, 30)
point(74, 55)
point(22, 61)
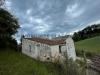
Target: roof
point(95, 64)
point(48, 41)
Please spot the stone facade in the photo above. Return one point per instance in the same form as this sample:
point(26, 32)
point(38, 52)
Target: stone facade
point(47, 49)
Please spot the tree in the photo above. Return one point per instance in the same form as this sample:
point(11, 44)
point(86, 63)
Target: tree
point(8, 27)
point(88, 32)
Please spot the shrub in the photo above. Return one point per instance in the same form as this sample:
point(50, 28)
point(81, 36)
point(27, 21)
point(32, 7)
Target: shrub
point(71, 67)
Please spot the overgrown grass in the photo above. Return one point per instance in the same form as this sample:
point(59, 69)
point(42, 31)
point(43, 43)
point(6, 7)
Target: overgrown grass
point(15, 63)
point(91, 45)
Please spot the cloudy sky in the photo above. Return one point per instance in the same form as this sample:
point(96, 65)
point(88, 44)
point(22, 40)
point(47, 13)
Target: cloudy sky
point(54, 16)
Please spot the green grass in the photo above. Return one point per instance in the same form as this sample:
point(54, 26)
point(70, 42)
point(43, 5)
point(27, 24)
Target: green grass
point(91, 45)
point(15, 63)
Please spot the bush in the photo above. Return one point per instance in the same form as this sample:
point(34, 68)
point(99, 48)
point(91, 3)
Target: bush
point(88, 54)
point(71, 67)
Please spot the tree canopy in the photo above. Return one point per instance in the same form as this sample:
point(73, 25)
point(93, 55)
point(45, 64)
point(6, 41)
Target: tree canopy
point(88, 32)
point(8, 27)
point(8, 23)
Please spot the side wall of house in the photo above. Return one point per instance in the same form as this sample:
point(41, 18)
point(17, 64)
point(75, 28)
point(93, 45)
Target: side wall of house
point(44, 52)
point(36, 50)
point(29, 48)
point(63, 50)
point(54, 52)
point(70, 48)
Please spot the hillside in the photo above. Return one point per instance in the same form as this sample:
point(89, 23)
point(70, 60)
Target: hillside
point(15, 63)
point(89, 45)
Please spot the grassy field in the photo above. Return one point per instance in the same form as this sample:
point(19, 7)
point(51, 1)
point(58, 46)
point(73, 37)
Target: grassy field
point(91, 45)
point(15, 63)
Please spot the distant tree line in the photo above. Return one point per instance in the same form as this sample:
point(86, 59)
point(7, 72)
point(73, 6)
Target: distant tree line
point(88, 32)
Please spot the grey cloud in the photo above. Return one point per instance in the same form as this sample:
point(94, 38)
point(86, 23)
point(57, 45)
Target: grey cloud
point(53, 16)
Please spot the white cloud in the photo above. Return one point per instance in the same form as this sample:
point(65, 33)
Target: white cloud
point(94, 22)
point(31, 19)
point(73, 11)
point(39, 25)
point(42, 28)
point(40, 21)
point(41, 4)
point(26, 25)
point(29, 11)
point(77, 13)
point(8, 4)
point(42, 25)
point(72, 8)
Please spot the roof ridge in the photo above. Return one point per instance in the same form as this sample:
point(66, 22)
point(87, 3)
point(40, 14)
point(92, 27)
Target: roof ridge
point(47, 41)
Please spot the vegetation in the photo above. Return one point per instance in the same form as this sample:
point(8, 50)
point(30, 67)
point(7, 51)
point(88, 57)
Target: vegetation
point(69, 67)
point(90, 46)
point(15, 63)
point(8, 27)
point(88, 32)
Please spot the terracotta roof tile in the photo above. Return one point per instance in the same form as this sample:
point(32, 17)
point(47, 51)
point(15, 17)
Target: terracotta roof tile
point(47, 41)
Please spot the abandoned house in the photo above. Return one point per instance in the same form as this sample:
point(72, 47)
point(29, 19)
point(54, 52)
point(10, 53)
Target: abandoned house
point(48, 49)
